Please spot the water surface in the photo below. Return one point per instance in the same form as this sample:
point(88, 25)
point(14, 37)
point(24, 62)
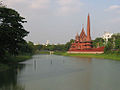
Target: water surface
point(52, 72)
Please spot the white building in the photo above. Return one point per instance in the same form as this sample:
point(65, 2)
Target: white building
point(107, 35)
point(47, 43)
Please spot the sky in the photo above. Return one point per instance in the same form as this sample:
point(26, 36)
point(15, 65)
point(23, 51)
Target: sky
point(59, 20)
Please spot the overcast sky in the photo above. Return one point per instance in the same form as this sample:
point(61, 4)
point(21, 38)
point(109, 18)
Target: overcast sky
point(59, 20)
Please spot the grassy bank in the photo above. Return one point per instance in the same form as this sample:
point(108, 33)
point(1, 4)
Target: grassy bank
point(103, 56)
point(42, 52)
point(20, 58)
point(13, 61)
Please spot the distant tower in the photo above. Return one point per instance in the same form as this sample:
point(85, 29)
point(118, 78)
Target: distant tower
point(77, 38)
point(47, 42)
point(88, 29)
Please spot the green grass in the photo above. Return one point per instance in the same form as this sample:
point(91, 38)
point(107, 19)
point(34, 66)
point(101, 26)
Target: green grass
point(20, 58)
point(103, 56)
point(13, 61)
point(43, 52)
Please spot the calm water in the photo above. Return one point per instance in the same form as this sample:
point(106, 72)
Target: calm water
point(52, 72)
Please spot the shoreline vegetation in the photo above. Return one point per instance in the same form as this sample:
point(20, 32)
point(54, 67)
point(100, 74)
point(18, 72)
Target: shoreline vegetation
point(20, 58)
point(102, 56)
point(13, 47)
point(111, 56)
point(14, 61)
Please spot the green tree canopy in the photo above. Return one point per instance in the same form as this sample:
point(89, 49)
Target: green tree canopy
point(108, 47)
point(115, 40)
point(68, 44)
point(12, 31)
point(99, 41)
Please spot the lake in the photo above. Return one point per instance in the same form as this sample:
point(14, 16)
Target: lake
point(53, 72)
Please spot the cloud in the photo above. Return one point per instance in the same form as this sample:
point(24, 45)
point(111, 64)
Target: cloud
point(113, 7)
point(36, 4)
point(68, 6)
point(12, 2)
point(40, 4)
point(62, 7)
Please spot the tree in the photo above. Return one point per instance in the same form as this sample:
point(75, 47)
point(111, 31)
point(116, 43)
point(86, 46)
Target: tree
point(117, 43)
point(68, 44)
point(115, 40)
point(12, 32)
point(31, 47)
point(38, 47)
point(51, 47)
point(26, 48)
point(98, 41)
point(113, 44)
point(108, 47)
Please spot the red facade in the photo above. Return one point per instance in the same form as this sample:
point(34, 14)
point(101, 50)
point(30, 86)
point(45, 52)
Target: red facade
point(83, 41)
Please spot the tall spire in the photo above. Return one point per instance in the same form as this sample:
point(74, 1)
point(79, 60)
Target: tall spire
point(82, 26)
point(77, 37)
point(77, 34)
point(88, 28)
point(82, 35)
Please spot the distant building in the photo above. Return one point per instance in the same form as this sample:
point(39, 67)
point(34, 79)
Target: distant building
point(47, 42)
point(107, 35)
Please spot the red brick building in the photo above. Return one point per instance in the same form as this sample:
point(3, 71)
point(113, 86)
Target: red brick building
point(83, 42)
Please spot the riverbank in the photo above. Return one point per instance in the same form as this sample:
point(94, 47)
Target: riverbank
point(103, 56)
point(42, 52)
point(14, 61)
point(20, 58)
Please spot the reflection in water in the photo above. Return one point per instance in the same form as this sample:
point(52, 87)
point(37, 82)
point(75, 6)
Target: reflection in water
point(63, 61)
point(12, 87)
point(35, 64)
point(51, 72)
point(51, 61)
point(83, 59)
point(8, 79)
point(86, 77)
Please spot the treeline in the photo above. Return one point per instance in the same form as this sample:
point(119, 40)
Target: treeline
point(111, 46)
point(58, 47)
point(12, 35)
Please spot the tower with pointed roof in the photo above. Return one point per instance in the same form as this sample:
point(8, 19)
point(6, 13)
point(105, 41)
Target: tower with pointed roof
point(83, 36)
point(77, 38)
point(88, 29)
point(83, 41)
